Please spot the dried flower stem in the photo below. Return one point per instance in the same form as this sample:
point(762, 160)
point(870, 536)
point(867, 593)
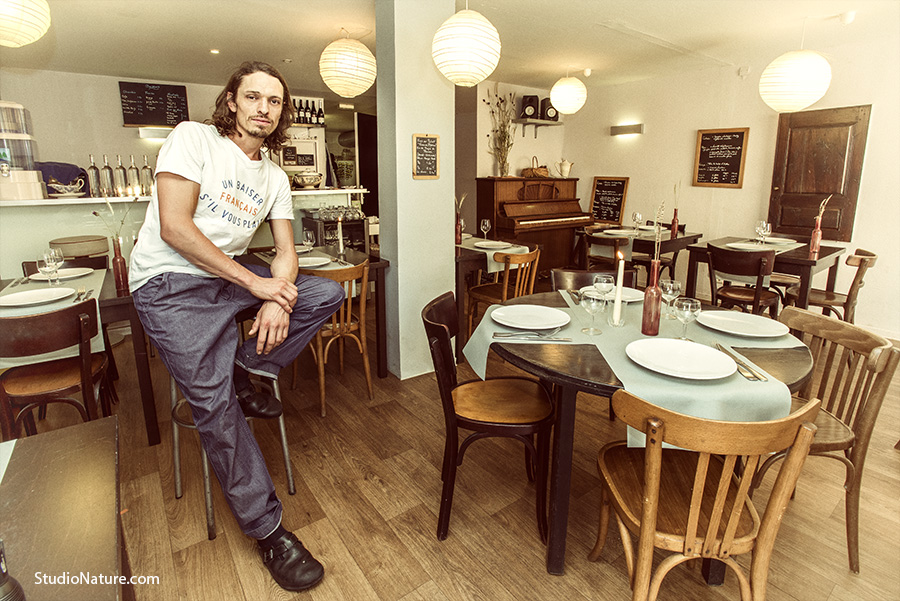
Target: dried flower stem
point(503, 130)
point(115, 231)
point(822, 207)
point(658, 222)
point(459, 202)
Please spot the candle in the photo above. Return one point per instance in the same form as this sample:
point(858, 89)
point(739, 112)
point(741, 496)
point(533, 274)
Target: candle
point(620, 277)
point(340, 236)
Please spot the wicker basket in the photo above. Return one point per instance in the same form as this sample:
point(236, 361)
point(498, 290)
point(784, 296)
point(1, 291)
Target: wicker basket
point(535, 170)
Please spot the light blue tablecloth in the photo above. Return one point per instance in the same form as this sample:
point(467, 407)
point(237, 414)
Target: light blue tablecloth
point(492, 265)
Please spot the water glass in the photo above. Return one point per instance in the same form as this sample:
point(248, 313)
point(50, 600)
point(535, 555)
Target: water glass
point(686, 310)
point(485, 227)
point(48, 264)
point(763, 229)
point(592, 302)
point(671, 289)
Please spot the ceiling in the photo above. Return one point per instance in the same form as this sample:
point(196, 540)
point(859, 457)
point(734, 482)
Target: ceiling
point(619, 40)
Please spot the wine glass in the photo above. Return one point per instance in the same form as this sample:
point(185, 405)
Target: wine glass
point(637, 219)
point(592, 302)
point(462, 225)
point(485, 227)
point(671, 289)
point(604, 284)
point(763, 229)
point(686, 310)
point(309, 238)
point(48, 264)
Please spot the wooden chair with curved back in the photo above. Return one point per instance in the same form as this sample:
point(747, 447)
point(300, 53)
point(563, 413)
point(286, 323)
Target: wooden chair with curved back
point(517, 408)
point(724, 262)
point(101, 262)
point(575, 279)
point(852, 370)
point(519, 271)
point(344, 324)
point(694, 503)
point(843, 305)
point(668, 261)
point(608, 260)
point(32, 386)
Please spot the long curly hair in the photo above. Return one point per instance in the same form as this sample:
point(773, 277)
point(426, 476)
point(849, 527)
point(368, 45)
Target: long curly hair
point(223, 117)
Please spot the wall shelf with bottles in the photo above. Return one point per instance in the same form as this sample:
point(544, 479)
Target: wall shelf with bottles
point(536, 123)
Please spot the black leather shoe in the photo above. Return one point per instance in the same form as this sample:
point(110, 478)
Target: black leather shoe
point(291, 565)
point(258, 403)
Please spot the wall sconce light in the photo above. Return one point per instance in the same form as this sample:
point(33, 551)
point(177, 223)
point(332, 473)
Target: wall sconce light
point(621, 130)
point(154, 133)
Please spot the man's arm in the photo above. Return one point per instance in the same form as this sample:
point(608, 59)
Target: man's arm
point(271, 325)
point(178, 198)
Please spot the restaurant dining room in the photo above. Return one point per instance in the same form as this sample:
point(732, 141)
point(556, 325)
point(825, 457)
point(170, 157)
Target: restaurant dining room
point(569, 300)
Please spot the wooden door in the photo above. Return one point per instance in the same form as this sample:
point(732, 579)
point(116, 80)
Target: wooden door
point(818, 153)
point(367, 160)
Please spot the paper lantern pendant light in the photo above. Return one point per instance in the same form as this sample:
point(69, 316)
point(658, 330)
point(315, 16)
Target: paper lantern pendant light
point(347, 67)
point(466, 48)
point(795, 80)
point(23, 21)
point(568, 95)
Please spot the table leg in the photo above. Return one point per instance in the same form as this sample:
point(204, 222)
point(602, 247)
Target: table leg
point(380, 326)
point(145, 382)
point(693, 265)
point(805, 285)
point(461, 288)
point(561, 480)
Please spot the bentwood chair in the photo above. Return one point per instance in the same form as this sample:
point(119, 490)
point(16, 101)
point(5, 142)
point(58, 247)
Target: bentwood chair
point(575, 279)
point(694, 503)
point(755, 266)
point(345, 324)
point(667, 261)
point(852, 370)
point(842, 305)
point(518, 408)
point(519, 271)
point(29, 387)
point(610, 245)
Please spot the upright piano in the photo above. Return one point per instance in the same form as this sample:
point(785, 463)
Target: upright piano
point(542, 211)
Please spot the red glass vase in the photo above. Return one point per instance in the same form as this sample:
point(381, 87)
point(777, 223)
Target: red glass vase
point(652, 302)
point(816, 239)
point(458, 230)
point(120, 269)
point(674, 225)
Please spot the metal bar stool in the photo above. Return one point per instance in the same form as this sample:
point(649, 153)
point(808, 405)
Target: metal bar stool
point(182, 419)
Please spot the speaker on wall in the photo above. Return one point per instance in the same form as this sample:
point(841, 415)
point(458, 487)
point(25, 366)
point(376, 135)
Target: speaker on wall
point(547, 111)
point(530, 109)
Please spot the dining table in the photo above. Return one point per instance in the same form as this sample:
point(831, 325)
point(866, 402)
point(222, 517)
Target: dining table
point(643, 240)
point(114, 307)
point(794, 259)
point(600, 365)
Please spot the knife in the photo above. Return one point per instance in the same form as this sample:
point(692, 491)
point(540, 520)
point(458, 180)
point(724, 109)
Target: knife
point(88, 295)
point(531, 338)
point(742, 363)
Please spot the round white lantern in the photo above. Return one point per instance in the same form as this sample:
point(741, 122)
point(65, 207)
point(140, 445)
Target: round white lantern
point(23, 21)
point(466, 48)
point(795, 80)
point(568, 95)
point(347, 67)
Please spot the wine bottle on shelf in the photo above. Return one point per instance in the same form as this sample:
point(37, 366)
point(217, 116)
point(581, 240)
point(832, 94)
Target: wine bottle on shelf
point(307, 112)
point(93, 176)
point(298, 117)
point(320, 114)
point(106, 178)
point(146, 178)
point(133, 176)
point(120, 178)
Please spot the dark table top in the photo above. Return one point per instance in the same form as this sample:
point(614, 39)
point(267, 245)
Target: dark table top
point(796, 256)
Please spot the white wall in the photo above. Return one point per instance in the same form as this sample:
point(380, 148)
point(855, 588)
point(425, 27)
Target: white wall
point(673, 108)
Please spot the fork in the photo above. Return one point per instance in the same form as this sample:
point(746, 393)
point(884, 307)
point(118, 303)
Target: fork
point(546, 334)
point(79, 295)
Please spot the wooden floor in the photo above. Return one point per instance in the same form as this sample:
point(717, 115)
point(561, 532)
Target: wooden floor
point(368, 487)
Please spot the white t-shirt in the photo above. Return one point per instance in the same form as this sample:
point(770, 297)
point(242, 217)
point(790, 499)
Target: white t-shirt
point(236, 195)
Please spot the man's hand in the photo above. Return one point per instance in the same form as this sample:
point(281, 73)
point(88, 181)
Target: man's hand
point(277, 290)
point(270, 327)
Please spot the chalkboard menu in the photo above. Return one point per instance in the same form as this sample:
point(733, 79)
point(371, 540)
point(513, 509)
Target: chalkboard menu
point(608, 199)
point(719, 160)
point(153, 105)
point(426, 156)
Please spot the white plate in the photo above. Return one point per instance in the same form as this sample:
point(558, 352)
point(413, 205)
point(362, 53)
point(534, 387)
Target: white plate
point(745, 246)
point(302, 249)
point(494, 244)
point(628, 232)
point(742, 324)
point(681, 358)
point(771, 240)
point(66, 273)
point(69, 195)
point(313, 261)
point(466, 236)
point(647, 228)
point(530, 317)
point(35, 297)
point(629, 295)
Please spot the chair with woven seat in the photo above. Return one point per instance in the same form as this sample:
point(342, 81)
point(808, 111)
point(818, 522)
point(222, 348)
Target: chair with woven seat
point(344, 324)
point(519, 271)
point(690, 500)
point(751, 266)
point(668, 261)
point(842, 305)
point(511, 407)
point(32, 386)
point(852, 370)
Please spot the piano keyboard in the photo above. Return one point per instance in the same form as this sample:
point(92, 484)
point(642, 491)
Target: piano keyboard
point(555, 220)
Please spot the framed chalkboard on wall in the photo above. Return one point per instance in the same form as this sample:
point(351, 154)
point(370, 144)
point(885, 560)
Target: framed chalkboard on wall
point(426, 156)
point(608, 199)
point(719, 159)
point(152, 105)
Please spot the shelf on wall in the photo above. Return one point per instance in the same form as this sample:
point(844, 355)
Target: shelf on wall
point(536, 123)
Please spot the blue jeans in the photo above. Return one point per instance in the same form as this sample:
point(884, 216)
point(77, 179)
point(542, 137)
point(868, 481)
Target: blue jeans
point(190, 321)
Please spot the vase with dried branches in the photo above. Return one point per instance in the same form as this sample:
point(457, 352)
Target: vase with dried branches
point(652, 293)
point(503, 130)
point(816, 239)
